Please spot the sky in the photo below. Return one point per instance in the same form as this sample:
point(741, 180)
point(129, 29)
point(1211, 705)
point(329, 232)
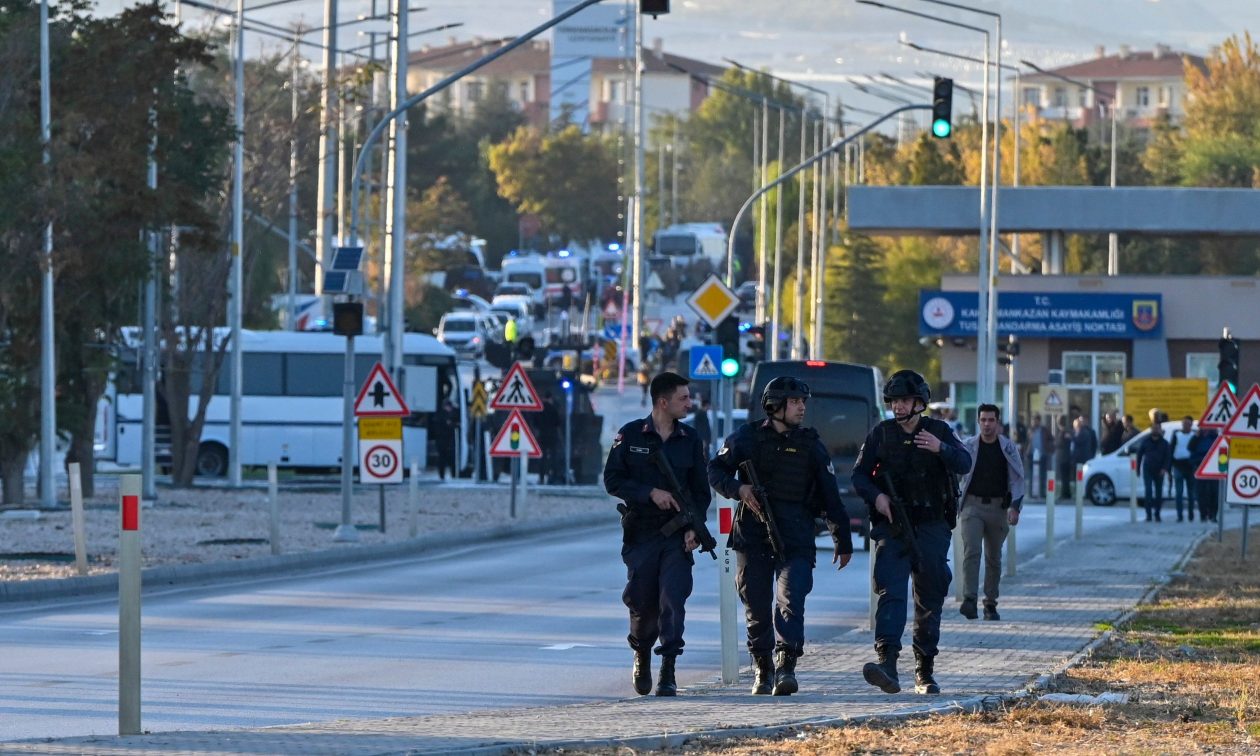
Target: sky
point(829, 42)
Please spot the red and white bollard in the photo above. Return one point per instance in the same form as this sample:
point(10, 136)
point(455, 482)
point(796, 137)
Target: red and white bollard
point(129, 607)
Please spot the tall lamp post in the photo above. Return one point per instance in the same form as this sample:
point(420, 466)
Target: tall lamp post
point(986, 341)
point(1113, 242)
point(1017, 107)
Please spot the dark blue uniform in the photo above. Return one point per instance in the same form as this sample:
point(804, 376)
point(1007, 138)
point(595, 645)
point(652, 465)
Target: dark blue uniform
point(923, 480)
point(796, 471)
point(658, 567)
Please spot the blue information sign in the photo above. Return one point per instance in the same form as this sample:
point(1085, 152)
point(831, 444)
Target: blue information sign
point(706, 363)
point(1053, 315)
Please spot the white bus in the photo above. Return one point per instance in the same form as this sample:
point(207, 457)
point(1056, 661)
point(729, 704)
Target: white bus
point(291, 403)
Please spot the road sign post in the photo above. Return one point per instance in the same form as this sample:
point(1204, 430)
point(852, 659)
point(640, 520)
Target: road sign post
point(1050, 514)
point(380, 407)
point(1080, 501)
point(704, 362)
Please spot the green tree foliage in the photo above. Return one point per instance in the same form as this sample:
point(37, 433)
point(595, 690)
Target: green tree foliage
point(1221, 143)
point(935, 162)
point(853, 302)
point(567, 178)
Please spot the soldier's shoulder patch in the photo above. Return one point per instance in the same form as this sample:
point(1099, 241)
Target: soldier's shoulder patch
point(617, 440)
point(724, 450)
point(831, 468)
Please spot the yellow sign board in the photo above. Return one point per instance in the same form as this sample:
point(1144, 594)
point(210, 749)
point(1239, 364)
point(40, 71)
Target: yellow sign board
point(1244, 448)
point(480, 400)
point(1175, 397)
point(380, 428)
point(713, 301)
point(1050, 400)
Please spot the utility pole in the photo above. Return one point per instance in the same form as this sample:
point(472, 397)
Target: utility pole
point(326, 181)
point(636, 206)
point(47, 356)
point(396, 231)
point(236, 285)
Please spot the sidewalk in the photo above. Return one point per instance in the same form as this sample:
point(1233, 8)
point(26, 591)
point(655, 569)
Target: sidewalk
point(1051, 611)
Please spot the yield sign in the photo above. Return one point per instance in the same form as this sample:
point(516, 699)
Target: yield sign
point(514, 437)
point(516, 392)
point(379, 396)
point(1246, 421)
point(1216, 464)
point(713, 301)
point(1221, 409)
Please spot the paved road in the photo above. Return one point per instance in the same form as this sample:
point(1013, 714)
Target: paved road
point(534, 622)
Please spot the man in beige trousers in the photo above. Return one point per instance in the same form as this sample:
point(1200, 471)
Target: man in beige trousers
point(993, 495)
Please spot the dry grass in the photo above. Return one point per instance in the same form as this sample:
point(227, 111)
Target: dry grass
point(1190, 663)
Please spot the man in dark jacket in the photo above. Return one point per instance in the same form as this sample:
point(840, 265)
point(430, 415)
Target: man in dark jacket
point(1154, 459)
point(1113, 431)
point(795, 468)
point(1207, 487)
point(658, 560)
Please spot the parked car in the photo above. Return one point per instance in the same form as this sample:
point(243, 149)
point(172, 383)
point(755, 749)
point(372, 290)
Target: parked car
point(514, 289)
point(462, 299)
point(464, 331)
point(747, 293)
point(1107, 477)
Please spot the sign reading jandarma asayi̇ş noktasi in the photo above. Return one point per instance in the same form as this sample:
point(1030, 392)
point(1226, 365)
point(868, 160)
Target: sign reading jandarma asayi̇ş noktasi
point(1047, 316)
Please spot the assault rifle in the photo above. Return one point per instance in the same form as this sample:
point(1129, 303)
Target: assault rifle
point(690, 518)
point(764, 513)
point(901, 527)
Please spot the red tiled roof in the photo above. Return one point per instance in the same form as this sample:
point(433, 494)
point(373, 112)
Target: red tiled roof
point(1134, 65)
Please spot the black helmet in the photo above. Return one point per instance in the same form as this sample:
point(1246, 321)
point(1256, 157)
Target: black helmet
point(779, 390)
point(907, 383)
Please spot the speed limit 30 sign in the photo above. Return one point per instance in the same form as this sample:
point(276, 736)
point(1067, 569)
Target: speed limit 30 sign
point(1244, 471)
point(380, 450)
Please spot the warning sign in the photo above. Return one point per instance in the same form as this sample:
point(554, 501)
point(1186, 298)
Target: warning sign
point(379, 396)
point(1220, 409)
point(516, 392)
point(1246, 421)
point(1216, 464)
point(514, 437)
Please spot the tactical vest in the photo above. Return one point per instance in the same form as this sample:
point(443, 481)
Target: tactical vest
point(785, 464)
point(920, 477)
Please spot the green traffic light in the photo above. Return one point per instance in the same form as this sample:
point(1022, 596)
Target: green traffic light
point(941, 128)
point(730, 367)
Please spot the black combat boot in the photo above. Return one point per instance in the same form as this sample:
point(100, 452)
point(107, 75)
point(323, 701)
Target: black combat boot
point(883, 674)
point(763, 675)
point(924, 682)
point(642, 674)
point(665, 685)
point(784, 673)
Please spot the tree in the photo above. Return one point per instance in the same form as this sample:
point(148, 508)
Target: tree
point(1221, 143)
point(854, 301)
point(935, 162)
point(567, 178)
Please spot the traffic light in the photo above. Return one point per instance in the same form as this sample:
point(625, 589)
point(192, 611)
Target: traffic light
point(731, 367)
point(727, 337)
point(348, 318)
point(654, 7)
point(1010, 350)
point(757, 343)
point(1228, 366)
point(942, 107)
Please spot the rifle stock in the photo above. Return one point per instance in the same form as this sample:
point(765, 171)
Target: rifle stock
point(766, 515)
point(689, 517)
point(901, 527)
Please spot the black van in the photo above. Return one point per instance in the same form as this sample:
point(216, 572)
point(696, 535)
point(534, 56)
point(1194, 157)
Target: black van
point(845, 403)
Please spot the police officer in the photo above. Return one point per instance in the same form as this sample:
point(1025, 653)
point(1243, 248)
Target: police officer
point(658, 565)
point(793, 465)
point(918, 454)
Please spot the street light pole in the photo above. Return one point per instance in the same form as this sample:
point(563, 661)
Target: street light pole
point(236, 285)
point(1113, 243)
point(47, 341)
point(396, 191)
point(326, 180)
point(986, 347)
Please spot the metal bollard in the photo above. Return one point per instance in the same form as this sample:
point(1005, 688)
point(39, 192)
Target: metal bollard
point(273, 503)
point(129, 606)
point(728, 605)
point(1050, 497)
point(76, 514)
point(1080, 501)
point(412, 488)
point(1133, 489)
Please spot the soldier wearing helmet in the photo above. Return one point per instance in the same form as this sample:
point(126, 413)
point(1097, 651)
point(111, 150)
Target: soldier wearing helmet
point(919, 456)
point(795, 469)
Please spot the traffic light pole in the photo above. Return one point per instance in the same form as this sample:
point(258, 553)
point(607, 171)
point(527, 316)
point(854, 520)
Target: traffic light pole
point(783, 177)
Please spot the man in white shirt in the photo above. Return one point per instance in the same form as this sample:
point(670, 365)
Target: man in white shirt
point(1183, 468)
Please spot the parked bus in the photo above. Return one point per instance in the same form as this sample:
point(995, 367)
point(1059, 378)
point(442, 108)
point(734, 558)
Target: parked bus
point(291, 402)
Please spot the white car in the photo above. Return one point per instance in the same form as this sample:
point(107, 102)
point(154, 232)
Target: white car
point(464, 331)
point(518, 309)
point(1107, 477)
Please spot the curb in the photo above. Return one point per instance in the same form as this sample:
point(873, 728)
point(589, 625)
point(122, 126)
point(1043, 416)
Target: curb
point(169, 575)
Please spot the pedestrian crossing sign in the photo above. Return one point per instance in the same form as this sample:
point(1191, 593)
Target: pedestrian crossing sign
point(516, 392)
point(705, 363)
point(1221, 409)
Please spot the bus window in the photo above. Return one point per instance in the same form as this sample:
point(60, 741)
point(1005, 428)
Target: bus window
point(313, 374)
